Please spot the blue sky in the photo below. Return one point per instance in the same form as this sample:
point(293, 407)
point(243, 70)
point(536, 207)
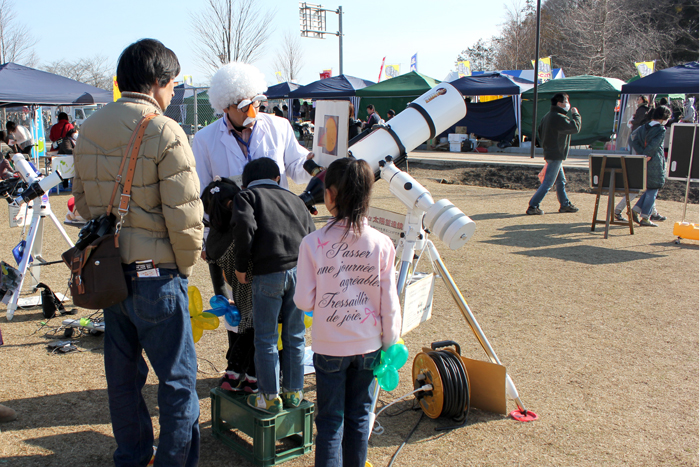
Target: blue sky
point(436, 31)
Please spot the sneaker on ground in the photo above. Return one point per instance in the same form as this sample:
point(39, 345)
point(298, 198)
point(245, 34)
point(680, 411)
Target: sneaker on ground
point(231, 380)
point(568, 208)
point(657, 217)
point(644, 222)
point(534, 211)
point(292, 399)
point(248, 384)
point(618, 217)
point(265, 402)
point(635, 217)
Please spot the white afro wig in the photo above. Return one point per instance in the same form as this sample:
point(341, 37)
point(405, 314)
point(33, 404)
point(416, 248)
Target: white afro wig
point(234, 82)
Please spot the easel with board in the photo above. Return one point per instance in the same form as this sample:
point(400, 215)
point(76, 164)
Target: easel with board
point(619, 174)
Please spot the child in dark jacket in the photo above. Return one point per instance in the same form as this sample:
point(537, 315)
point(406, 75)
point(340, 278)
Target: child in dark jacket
point(269, 223)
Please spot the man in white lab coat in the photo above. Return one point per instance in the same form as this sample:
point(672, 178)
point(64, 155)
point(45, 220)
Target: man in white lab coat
point(223, 149)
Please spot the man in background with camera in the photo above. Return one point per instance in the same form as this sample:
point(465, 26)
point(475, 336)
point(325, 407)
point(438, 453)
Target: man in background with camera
point(159, 243)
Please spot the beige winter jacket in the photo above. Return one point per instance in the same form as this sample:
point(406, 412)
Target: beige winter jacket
point(164, 222)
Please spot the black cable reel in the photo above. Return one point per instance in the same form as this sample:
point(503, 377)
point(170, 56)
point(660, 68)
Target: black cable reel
point(445, 371)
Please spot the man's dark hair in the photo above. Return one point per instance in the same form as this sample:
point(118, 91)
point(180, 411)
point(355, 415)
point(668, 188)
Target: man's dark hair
point(144, 63)
point(559, 97)
point(644, 99)
point(661, 112)
point(370, 107)
point(10, 126)
point(260, 169)
point(663, 101)
point(391, 112)
point(63, 116)
point(284, 107)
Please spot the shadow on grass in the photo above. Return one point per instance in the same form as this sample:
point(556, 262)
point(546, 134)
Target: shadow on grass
point(592, 255)
point(77, 448)
point(539, 235)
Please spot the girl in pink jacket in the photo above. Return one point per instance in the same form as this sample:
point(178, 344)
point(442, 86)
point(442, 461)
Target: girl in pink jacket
point(345, 275)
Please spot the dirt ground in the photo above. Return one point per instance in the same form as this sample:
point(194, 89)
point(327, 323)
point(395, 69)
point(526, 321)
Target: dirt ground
point(600, 336)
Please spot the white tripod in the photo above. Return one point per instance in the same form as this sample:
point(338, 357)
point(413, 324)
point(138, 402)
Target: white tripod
point(41, 208)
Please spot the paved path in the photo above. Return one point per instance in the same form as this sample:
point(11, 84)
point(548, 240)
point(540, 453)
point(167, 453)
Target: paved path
point(461, 158)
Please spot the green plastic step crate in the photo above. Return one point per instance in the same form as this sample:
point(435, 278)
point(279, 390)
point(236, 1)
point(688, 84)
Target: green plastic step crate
point(229, 411)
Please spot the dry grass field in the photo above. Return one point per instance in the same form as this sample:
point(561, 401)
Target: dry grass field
point(599, 335)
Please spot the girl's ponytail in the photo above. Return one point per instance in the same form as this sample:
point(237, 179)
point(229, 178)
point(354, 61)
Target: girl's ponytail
point(352, 180)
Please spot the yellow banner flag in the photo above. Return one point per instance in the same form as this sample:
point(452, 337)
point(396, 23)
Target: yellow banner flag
point(645, 68)
point(544, 72)
point(278, 75)
point(115, 89)
point(392, 71)
point(464, 68)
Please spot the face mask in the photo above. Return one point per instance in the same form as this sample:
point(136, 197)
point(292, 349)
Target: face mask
point(567, 107)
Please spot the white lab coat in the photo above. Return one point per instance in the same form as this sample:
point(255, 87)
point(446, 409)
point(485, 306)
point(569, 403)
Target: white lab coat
point(217, 152)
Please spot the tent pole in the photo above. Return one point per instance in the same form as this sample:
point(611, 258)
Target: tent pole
point(533, 139)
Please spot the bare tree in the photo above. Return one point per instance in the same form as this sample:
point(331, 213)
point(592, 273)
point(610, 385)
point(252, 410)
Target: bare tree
point(230, 31)
point(289, 58)
point(481, 55)
point(16, 43)
point(516, 45)
point(95, 71)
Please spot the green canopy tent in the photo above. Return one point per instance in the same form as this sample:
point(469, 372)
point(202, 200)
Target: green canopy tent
point(394, 93)
point(595, 98)
point(205, 113)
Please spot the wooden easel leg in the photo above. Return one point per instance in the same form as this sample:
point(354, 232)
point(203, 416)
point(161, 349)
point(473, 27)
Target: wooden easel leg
point(611, 200)
point(599, 193)
point(627, 194)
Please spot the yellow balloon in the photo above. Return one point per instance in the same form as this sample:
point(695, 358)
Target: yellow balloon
point(200, 321)
point(400, 341)
point(308, 321)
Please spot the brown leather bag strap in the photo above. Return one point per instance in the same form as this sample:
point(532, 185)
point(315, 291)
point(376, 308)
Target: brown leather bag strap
point(126, 191)
point(142, 124)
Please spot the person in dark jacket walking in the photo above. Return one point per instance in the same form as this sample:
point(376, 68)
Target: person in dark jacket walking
point(555, 132)
point(648, 139)
point(642, 115)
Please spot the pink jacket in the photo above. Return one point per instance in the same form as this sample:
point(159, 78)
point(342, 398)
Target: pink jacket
point(350, 286)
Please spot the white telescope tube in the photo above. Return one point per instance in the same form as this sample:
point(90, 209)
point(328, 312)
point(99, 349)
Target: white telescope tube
point(425, 118)
point(443, 219)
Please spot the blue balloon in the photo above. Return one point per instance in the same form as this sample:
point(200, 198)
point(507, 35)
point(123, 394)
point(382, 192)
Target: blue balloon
point(222, 307)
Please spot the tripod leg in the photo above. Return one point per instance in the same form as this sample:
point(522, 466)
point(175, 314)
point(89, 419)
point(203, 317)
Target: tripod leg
point(23, 265)
point(464, 308)
point(60, 228)
point(35, 268)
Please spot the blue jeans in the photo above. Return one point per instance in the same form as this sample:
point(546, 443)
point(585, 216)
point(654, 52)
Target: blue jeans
point(343, 402)
point(155, 318)
point(646, 202)
point(553, 174)
point(273, 297)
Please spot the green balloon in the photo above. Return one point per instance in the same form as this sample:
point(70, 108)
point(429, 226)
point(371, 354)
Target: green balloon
point(389, 380)
point(398, 354)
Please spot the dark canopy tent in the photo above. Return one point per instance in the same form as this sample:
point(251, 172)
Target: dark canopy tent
point(21, 85)
point(331, 88)
point(681, 79)
point(176, 109)
point(496, 120)
point(395, 93)
point(281, 90)
point(594, 96)
point(675, 80)
point(336, 87)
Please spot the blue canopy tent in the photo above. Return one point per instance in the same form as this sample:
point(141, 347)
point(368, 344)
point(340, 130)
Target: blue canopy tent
point(528, 75)
point(679, 79)
point(281, 90)
point(21, 85)
point(496, 120)
point(336, 87)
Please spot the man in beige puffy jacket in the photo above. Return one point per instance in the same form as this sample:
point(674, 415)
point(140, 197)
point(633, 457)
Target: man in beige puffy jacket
point(163, 230)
